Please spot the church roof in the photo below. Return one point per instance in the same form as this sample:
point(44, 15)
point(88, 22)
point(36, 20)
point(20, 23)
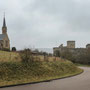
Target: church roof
point(2, 36)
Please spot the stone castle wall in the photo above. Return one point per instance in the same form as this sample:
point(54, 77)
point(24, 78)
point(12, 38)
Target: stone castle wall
point(71, 48)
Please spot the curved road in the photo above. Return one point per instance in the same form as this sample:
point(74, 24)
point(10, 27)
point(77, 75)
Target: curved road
point(79, 82)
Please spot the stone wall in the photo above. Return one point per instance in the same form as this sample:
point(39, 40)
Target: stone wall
point(71, 48)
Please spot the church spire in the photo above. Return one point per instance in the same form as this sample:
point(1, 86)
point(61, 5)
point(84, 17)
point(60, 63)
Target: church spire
point(4, 27)
point(4, 21)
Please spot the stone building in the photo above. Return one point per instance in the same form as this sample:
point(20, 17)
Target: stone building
point(88, 46)
point(4, 39)
point(70, 44)
point(71, 48)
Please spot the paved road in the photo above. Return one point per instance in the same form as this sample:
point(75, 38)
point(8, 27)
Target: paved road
point(80, 82)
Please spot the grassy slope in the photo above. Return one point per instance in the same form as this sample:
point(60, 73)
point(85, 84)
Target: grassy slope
point(14, 57)
point(9, 56)
point(17, 73)
point(12, 71)
point(83, 65)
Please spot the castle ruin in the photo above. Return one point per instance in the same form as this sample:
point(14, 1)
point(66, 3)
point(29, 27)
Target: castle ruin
point(71, 48)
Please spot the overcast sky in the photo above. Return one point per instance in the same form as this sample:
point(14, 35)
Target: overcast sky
point(46, 23)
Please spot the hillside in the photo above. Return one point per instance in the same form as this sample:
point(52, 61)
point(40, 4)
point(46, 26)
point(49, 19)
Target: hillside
point(13, 72)
point(14, 57)
point(9, 56)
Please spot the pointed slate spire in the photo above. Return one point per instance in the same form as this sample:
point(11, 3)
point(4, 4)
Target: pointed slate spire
point(4, 21)
point(4, 27)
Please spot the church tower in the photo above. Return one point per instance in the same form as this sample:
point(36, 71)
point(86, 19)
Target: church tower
point(4, 27)
point(4, 39)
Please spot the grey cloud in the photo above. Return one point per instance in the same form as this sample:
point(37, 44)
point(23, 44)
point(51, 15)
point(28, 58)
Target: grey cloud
point(75, 14)
point(46, 23)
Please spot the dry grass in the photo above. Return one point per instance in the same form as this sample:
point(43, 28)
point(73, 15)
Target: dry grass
point(14, 57)
point(12, 71)
point(9, 56)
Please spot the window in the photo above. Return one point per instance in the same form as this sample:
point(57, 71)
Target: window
point(6, 43)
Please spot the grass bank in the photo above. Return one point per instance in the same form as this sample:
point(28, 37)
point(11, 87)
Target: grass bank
point(12, 73)
point(82, 65)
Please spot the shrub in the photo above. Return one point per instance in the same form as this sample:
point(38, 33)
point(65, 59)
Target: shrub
point(26, 56)
point(67, 55)
point(84, 58)
point(13, 48)
point(5, 49)
point(46, 58)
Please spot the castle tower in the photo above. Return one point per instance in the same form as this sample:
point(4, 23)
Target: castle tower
point(70, 44)
point(4, 27)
